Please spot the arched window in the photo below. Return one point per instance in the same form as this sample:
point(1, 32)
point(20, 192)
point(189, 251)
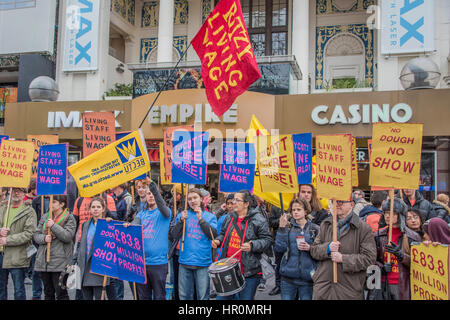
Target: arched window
point(344, 60)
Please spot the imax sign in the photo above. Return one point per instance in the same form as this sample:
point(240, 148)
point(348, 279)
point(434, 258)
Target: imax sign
point(60, 119)
point(407, 26)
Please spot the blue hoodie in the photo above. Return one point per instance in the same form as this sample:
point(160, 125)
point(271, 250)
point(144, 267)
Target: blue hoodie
point(197, 246)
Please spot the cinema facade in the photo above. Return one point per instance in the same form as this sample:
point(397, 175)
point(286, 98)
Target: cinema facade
point(327, 113)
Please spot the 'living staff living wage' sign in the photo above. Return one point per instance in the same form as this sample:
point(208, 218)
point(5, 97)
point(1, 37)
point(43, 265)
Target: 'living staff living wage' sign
point(429, 272)
point(118, 252)
point(189, 157)
point(334, 166)
point(276, 164)
point(52, 169)
point(396, 154)
point(16, 158)
point(99, 130)
point(119, 162)
point(237, 170)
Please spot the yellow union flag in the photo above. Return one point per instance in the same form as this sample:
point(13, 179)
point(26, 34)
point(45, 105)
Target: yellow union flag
point(112, 165)
point(277, 171)
point(16, 158)
point(162, 169)
point(429, 272)
point(395, 156)
point(257, 129)
point(334, 166)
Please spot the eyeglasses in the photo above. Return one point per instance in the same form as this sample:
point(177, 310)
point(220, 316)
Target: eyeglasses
point(237, 200)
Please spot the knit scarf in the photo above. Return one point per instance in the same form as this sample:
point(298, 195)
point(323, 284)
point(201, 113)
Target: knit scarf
point(343, 224)
point(58, 220)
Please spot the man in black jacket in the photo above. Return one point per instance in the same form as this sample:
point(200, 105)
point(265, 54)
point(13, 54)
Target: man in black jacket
point(414, 199)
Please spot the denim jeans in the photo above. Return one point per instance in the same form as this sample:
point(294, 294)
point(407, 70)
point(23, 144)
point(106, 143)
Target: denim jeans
point(189, 278)
point(289, 291)
point(248, 293)
point(36, 280)
point(119, 287)
point(18, 277)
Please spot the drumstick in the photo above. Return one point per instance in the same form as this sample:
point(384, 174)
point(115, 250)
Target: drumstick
point(226, 261)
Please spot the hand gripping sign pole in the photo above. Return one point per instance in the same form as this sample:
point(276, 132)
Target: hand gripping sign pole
point(50, 216)
point(335, 277)
point(391, 214)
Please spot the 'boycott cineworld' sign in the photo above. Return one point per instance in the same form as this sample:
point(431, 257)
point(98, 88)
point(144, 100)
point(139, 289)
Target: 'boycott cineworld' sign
point(366, 113)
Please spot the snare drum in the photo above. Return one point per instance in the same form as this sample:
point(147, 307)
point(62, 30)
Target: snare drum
point(227, 277)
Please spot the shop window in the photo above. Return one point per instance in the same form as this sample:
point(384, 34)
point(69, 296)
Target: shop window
point(267, 25)
point(16, 4)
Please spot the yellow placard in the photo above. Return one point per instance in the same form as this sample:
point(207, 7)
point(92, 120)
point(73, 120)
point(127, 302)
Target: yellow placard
point(275, 157)
point(429, 272)
point(162, 169)
point(395, 156)
point(112, 165)
point(256, 129)
point(355, 180)
point(334, 166)
point(37, 141)
point(16, 158)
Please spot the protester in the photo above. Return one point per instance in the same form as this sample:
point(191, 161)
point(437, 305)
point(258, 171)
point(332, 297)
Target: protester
point(371, 213)
point(297, 265)
point(3, 194)
point(437, 232)
point(414, 199)
point(15, 238)
point(123, 202)
point(245, 228)
point(196, 256)
point(206, 199)
point(358, 196)
point(309, 193)
point(141, 187)
point(440, 207)
point(91, 284)
point(155, 220)
point(415, 221)
point(354, 251)
point(63, 228)
point(398, 270)
point(224, 210)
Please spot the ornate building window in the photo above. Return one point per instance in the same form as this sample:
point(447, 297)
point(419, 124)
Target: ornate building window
point(267, 25)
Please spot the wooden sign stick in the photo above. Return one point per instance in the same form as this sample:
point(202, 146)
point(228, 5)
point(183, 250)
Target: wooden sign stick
point(6, 216)
point(184, 221)
point(50, 216)
point(174, 201)
point(132, 194)
point(335, 276)
point(134, 290)
point(104, 288)
point(391, 214)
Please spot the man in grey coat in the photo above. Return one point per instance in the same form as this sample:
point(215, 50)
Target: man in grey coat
point(15, 237)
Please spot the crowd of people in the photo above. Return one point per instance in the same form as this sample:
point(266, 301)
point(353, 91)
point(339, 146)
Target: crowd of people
point(183, 236)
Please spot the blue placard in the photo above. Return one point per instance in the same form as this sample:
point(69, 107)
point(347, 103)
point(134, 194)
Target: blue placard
point(303, 157)
point(118, 252)
point(3, 137)
point(120, 135)
point(52, 169)
point(189, 157)
point(237, 171)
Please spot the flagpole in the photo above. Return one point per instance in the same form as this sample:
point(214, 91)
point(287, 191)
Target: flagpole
point(165, 84)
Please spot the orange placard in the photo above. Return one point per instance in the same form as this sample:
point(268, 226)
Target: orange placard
point(99, 130)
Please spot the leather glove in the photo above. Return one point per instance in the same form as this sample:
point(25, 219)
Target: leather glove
point(395, 250)
point(387, 267)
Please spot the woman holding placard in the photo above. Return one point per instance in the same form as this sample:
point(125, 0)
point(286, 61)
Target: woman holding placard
point(63, 228)
point(196, 256)
point(294, 241)
point(244, 235)
point(91, 284)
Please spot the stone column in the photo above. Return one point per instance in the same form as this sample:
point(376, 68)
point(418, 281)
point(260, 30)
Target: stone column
point(165, 31)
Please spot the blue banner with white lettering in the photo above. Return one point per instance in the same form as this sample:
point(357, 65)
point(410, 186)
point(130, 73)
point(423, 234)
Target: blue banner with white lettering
point(52, 169)
point(303, 157)
point(189, 157)
point(118, 252)
point(237, 170)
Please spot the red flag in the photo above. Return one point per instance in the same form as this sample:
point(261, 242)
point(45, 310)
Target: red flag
point(228, 63)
